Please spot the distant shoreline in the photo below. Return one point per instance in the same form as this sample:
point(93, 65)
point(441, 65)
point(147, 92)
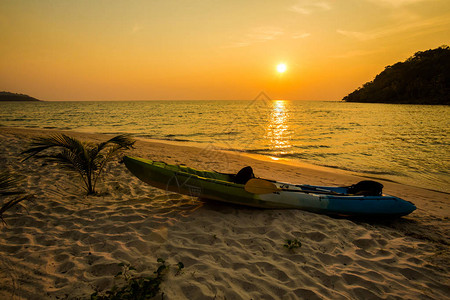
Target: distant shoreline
point(7, 96)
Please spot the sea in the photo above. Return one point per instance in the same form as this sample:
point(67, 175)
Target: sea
point(403, 143)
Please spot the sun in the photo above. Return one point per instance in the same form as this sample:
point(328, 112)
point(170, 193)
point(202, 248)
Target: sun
point(281, 67)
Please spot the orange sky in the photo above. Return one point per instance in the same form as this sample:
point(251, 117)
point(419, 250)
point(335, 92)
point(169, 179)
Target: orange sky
point(209, 49)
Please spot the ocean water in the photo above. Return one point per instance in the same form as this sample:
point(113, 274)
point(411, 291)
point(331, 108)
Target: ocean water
point(404, 143)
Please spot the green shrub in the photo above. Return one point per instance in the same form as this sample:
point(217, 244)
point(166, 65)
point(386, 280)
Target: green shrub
point(135, 287)
point(292, 244)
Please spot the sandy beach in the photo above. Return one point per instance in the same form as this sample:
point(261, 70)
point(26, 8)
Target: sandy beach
point(66, 245)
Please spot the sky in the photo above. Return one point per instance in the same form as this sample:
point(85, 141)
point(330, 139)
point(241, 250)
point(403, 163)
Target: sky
point(209, 49)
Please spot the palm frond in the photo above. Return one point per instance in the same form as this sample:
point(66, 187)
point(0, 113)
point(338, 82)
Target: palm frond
point(123, 140)
point(111, 147)
point(12, 203)
point(60, 140)
point(71, 160)
point(8, 182)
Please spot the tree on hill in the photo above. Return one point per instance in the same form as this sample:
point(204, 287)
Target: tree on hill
point(423, 78)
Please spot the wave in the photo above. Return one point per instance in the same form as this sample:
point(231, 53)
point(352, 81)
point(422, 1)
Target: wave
point(163, 138)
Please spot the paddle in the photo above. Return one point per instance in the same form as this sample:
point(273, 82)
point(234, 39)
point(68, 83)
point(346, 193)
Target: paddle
point(262, 186)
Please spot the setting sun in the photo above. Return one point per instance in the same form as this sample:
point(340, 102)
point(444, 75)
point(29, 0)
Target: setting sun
point(291, 49)
point(281, 68)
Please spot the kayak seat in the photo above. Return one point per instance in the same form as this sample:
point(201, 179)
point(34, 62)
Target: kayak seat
point(366, 188)
point(244, 175)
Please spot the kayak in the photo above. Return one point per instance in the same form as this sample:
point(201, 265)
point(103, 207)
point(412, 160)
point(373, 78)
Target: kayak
point(263, 193)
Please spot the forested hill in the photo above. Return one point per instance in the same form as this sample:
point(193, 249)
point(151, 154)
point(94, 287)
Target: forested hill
point(7, 96)
point(423, 78)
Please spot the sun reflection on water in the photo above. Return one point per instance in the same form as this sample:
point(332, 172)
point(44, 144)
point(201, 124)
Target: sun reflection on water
point(277, 132)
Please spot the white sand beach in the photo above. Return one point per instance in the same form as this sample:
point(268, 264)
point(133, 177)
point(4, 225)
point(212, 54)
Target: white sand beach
point(66, 245)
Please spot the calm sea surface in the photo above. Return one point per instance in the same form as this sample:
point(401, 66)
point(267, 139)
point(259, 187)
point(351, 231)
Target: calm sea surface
point(405, 143)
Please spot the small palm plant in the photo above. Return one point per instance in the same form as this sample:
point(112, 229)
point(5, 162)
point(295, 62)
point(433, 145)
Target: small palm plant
point(87, 159)
point(8, 184)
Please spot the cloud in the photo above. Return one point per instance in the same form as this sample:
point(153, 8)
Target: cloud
point(136, 28)
point(301, 35)
point(265, 33)
point(259, 35)
point(356, 34)
point(354, 53)
point(307, 7)
point(396, 3)
point(423, 26)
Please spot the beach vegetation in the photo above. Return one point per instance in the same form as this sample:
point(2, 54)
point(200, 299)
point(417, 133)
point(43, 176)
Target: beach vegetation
point(86, 159)
point(180, 267)
point(292, 244)
point(10, 194)
point(137, 287)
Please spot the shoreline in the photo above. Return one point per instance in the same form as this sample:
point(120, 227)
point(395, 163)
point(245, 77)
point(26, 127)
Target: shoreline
point(212, 158)
point(193, 144)
point(232, 152)
point(263, 157)
point(65, 245)
point(207, 160)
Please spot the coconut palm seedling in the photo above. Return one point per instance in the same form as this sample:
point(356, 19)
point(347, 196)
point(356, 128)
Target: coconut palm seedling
point(86, 159)
point(8, 185)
